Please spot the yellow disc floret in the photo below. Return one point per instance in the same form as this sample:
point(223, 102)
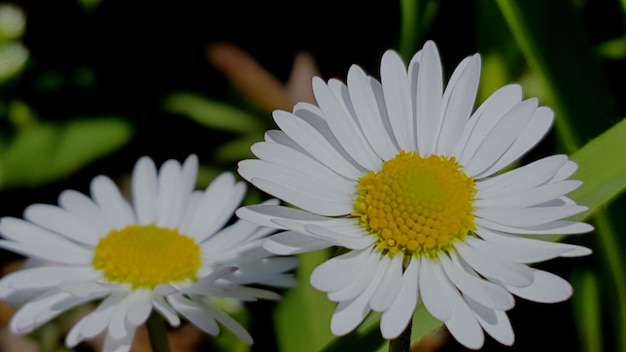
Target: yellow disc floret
point(416, 205)
point(147, 256)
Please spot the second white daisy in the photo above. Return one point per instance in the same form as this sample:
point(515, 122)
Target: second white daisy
point(168, 252)
point(403, 174)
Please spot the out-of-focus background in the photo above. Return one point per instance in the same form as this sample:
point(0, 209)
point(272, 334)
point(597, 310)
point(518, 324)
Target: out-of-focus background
point(89, 86)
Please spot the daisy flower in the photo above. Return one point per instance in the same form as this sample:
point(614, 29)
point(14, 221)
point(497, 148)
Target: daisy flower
point(166, 251)
point(402, 174)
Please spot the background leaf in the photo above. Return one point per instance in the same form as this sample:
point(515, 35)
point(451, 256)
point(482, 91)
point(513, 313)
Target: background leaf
point(212, 113)
point(48, 152)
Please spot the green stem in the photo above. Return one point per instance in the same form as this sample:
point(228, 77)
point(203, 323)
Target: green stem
point(157, 333)
point(402, 343)
point(613, 257)
point(409, 28)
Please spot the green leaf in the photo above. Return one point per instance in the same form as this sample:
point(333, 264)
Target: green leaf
point(212, 113)
point(237, 149)
point(49, 152)
point(302, 319)
point(560, 54)
point(586, 303)
point(602, 168)
point(417, 17)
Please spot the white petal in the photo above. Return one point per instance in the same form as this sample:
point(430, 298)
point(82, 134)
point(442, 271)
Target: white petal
point(485, 292)
point(118, 212)
point(195, 314)
point(495, 322)
point(500, 138)
point(170, 204)
point(263, 269)
point(462, 325)
point(167, 311)
point(117, 326)
point(43, 277)
point(122, 344)
point(343, 126)
point(245, 293)
point(525, 250)
point(369, 111)
point(561, 227)
point(534, 132)
point(144, 188)
point(483, 120)
point(337, 272)
point(61, 221)
point(25, 232)
point(395, 319)
point(458, 101)
point(74, 337)
point(193, 203)
point(176, 185)
point(522, 178)
point(84, 289)
point(238, 234)
point(278, 154)
point(360, 241)
point(430, 278)
point(139, 308)
point(227, 210)
point(210, 211)
point(428, 99)
point(208, 281)
point(304, 199)
point(398, 101)
point(313, 182)
point(349, 314)
point(528, 217)
point(230, 323)
point(41, 310)
point(99, 319)
point(85, 209)
point(265, 215)
point(291, 242)
point(352, 288)
point(317, 142)
point(51, 252)
point(546, 288)
point(567, 170)
point(510, 273)
point(531, 197)
point(389, 287)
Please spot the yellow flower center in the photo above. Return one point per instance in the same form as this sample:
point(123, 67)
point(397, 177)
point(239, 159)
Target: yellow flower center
point(415, 205)
point(147, 256)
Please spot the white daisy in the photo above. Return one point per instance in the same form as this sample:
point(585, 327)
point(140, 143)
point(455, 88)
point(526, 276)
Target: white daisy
point(166, 251)
point(403, 175)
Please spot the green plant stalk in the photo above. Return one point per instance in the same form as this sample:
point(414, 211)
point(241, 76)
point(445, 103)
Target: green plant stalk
point(402, 343)
point(157, 333)
point(563, 59)
point(587, 305)
point(610, 247)
point(409, 12)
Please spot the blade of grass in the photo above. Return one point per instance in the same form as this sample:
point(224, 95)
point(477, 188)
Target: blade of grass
point(560, 54)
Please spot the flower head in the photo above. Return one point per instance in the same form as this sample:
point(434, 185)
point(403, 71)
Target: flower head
point(166, 251)
point(404, 175)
